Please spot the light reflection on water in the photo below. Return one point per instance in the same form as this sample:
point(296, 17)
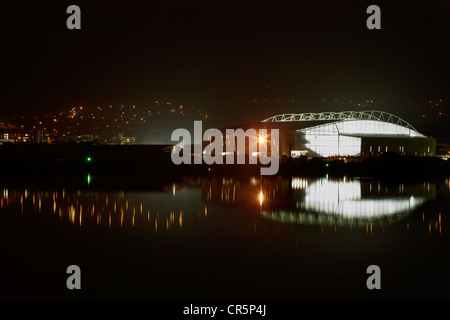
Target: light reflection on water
point(325, 202)
point(349, 202)
point(296, 201)
point(110, 209)
point(297, 237)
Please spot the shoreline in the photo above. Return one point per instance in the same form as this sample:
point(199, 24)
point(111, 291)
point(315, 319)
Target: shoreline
point(152, 164)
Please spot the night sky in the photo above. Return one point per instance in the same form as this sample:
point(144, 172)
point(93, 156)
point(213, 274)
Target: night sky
point(218, 55)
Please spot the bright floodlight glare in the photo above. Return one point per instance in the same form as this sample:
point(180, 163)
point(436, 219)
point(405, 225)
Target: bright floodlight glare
point(262, 139)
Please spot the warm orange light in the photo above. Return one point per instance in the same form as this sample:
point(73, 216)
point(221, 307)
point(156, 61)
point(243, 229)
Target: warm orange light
point(261, 198)
point(262, 139)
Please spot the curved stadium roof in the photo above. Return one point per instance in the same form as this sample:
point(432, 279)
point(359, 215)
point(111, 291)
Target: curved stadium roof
point(372, 115)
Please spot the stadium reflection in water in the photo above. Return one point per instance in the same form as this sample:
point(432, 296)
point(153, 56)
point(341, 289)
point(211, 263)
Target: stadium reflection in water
point(343, 202)
point(306, 201)
point(323, 201)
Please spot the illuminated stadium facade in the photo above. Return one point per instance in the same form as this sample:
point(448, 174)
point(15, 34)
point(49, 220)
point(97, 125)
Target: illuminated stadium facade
point(348, 134)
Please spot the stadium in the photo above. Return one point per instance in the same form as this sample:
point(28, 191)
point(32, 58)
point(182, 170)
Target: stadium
point(347, 134)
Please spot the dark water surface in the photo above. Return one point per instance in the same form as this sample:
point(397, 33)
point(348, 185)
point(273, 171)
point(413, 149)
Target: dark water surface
point(210, 238)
